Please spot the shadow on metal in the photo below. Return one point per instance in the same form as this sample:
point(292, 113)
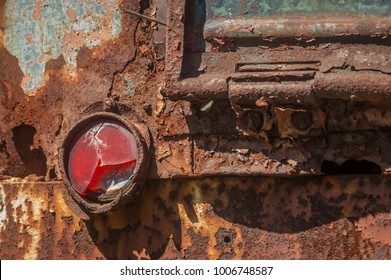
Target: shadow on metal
point(263, 218)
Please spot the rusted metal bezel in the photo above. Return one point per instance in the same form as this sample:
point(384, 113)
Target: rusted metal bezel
point(107, 202)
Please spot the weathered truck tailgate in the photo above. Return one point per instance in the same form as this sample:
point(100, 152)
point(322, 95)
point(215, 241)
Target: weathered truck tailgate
point(263, 134)
point(343, 217)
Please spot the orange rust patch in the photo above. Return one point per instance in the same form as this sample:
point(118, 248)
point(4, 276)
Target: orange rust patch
point(38, 6)
point(71, 14)
point(376, 228)
point(343, 217)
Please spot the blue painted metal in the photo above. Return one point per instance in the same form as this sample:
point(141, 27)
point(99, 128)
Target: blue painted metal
point(37, 31)
point(251, 8)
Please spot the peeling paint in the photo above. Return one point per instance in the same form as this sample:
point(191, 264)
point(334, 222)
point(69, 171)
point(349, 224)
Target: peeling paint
point(37, 32)
point(3, 211)
point(29, 220)
point(129, 87)
point(282, 106)
point(343, 217)
point(251, 8)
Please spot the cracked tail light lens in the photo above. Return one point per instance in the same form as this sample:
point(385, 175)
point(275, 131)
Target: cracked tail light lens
point(102, 158)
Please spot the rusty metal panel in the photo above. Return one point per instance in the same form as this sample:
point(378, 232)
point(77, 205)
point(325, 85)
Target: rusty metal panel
point(285, 99)
point(36, 223)
point(57, 60)
point(254, 8)
point(249, 87)
point(60, 29)
point(218, 218)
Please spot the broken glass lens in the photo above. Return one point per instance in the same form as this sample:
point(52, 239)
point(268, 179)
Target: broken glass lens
point(102, 158)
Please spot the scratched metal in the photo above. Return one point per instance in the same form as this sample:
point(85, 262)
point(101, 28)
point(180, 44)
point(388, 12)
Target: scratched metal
point(213, 218)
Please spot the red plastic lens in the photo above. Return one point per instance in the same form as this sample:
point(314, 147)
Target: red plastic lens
point(102, 158)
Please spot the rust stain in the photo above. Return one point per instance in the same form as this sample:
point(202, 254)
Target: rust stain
point(38, 6)
point(242, 98)
point(3, 211)
point(23, 210)
point(88, 82)
point(341, 217)
point(376, 228)
point(40, 31)
point(250, 91)
point(39, 225)
point(71, 14)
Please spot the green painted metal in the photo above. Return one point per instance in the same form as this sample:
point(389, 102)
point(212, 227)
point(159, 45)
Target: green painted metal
point(36, 32)
point(261, 8)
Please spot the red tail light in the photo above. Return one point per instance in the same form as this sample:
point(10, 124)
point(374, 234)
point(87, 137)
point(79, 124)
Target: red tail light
point(102, 158)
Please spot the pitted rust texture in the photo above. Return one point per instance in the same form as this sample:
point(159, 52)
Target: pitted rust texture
point(224, 218)
point(119, 75)
point(37, 32)
point(273, 84)
point(303, 19)
point(65, 94)
point(236, 119)
point(257, 91)
point(255, 8)
point(284, 140)
point(36, 223)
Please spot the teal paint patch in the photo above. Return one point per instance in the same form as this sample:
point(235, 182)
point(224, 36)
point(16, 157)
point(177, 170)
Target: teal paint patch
point(261, 8)
point(129, 87)
point(116, 28)
point(36, 32)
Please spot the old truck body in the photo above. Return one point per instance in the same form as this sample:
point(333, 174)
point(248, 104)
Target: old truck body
point(254, 129)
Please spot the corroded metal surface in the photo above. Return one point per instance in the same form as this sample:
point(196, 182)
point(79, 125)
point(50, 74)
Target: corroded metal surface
point(256, 8)
point(36, 223)
point(301, 19)
point(218, 98)
point(223, 218)
point(38, 31)
point(289, 94)
point(77, 48)
point(343, 87)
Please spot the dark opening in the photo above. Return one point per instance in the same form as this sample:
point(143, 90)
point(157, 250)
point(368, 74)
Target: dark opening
point(144, 5)
point(34, 159)
point(52, 174)
point(194, 43)
point(227, 239)
point(254, 120)
point(350, 167)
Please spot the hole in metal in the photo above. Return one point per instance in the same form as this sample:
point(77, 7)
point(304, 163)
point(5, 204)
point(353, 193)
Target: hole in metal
point(34, 160)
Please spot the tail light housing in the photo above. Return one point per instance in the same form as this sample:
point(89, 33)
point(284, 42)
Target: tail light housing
point(104, 160)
